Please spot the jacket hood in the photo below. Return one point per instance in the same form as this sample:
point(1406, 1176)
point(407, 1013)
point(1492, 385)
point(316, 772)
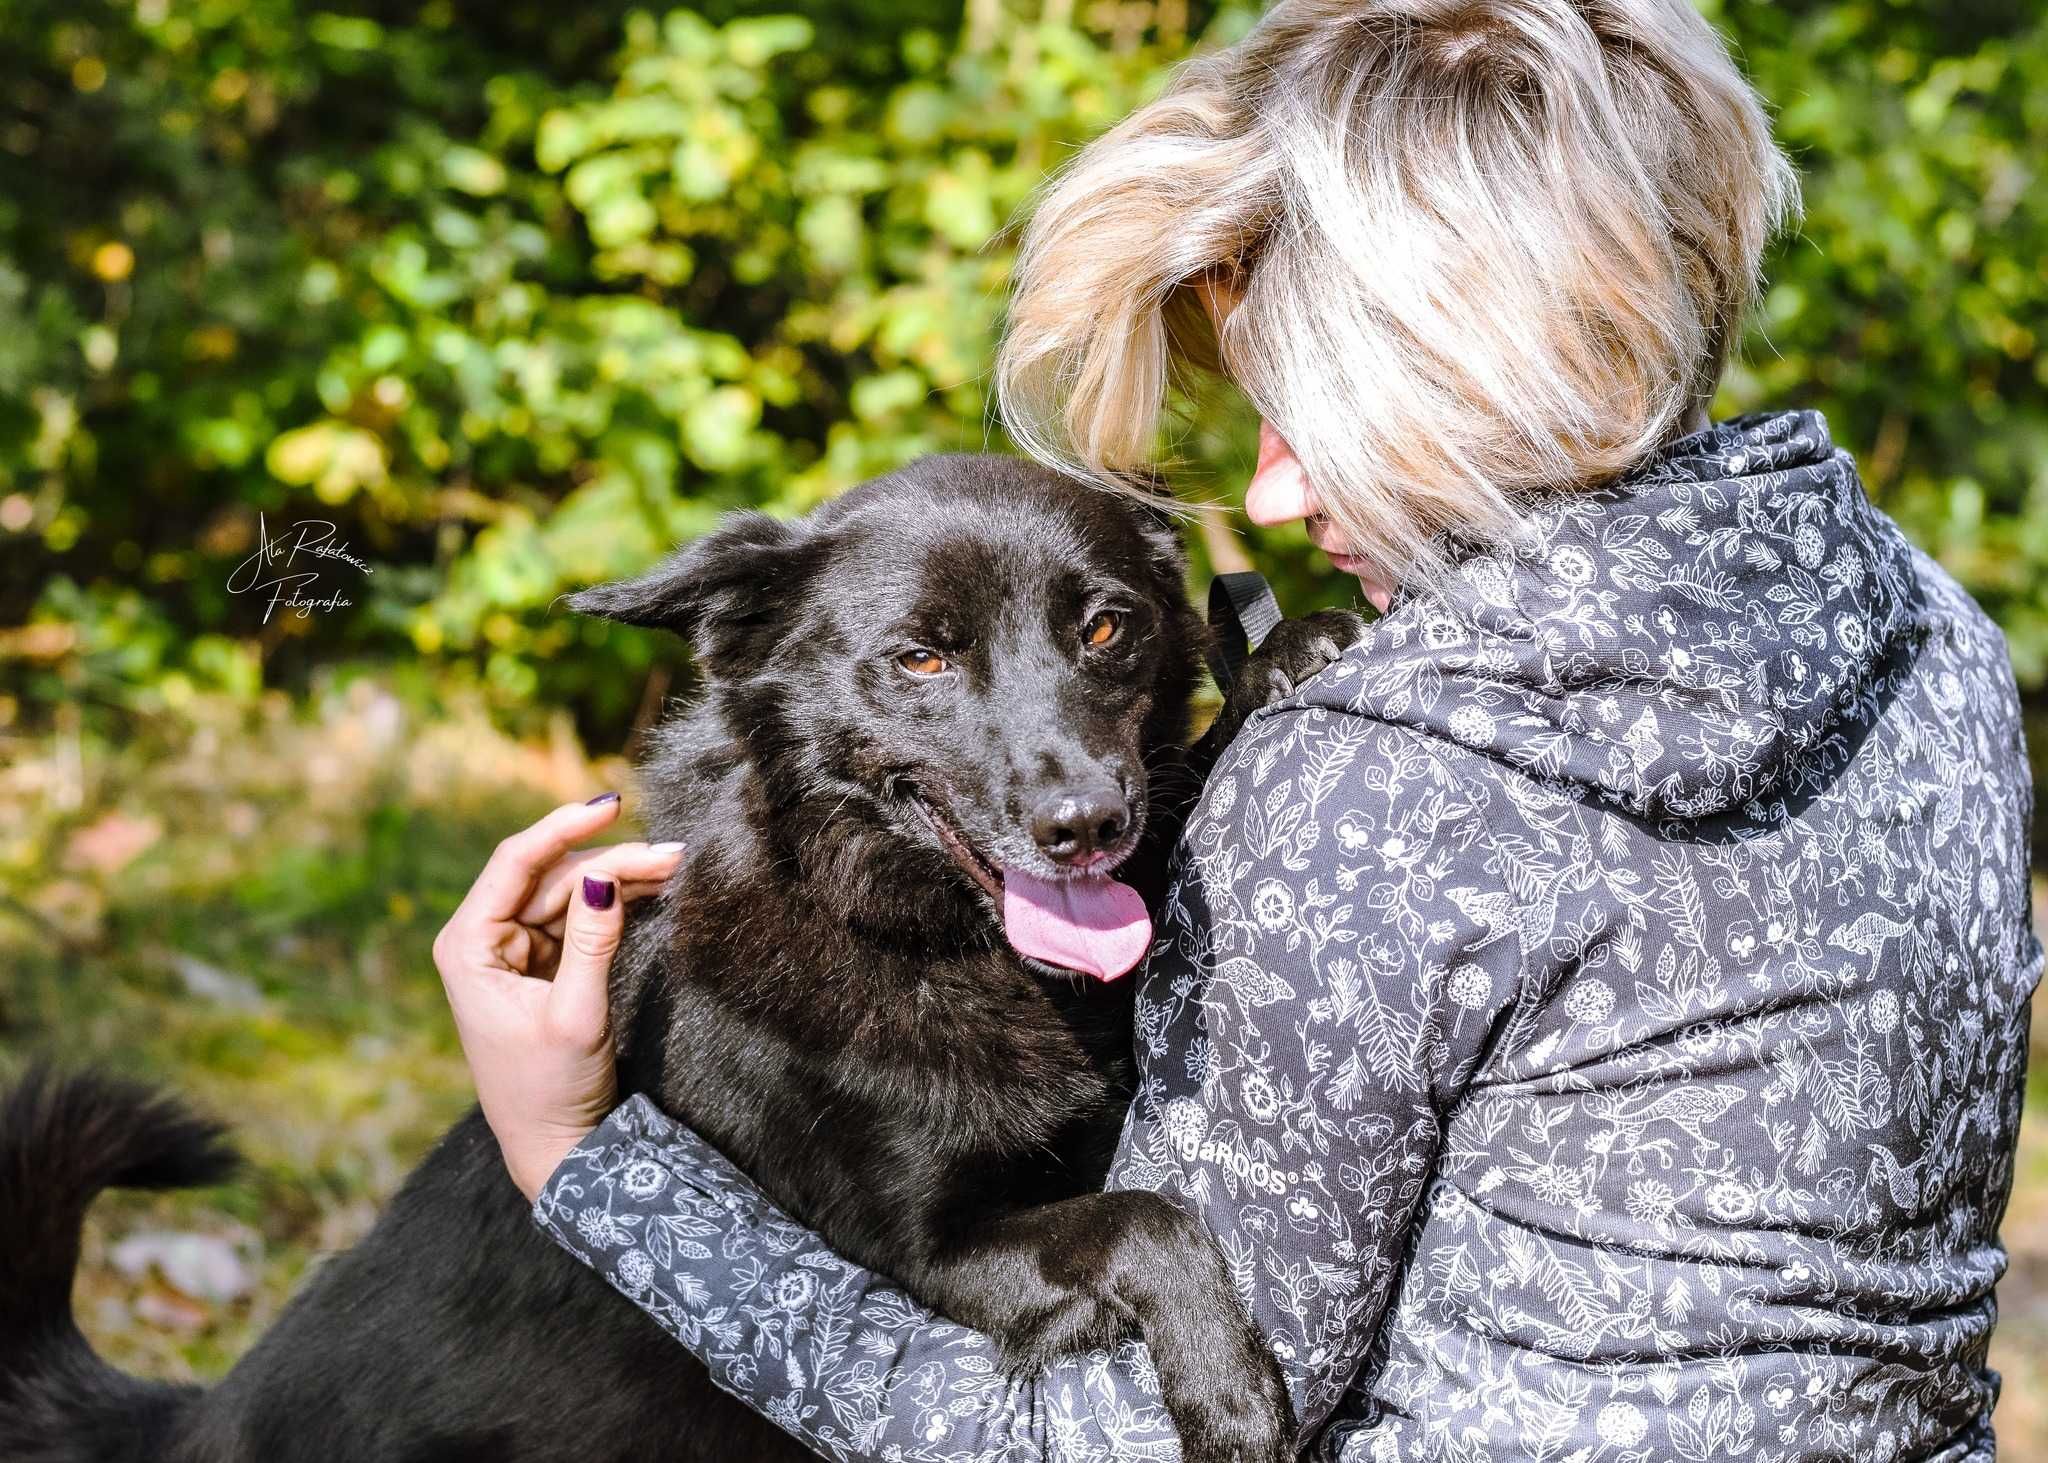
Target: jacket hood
point(1681, 642)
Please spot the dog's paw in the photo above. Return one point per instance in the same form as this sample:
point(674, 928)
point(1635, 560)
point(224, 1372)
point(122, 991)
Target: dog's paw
point(1293, 652)
point(1298, 650)
point(1243, 1417)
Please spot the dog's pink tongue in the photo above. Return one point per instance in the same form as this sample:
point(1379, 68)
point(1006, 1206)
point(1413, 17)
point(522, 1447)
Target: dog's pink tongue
point(1096, 926)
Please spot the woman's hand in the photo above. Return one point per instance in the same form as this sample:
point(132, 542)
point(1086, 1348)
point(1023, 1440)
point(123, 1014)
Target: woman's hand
point(526, 961)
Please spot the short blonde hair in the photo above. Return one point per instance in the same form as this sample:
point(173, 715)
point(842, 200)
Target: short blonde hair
point(1485, 248)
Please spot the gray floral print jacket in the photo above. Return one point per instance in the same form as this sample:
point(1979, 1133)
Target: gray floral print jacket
point(1592, 1017)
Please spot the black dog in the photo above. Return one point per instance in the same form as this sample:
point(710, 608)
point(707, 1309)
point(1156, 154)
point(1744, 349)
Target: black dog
point(936, 713)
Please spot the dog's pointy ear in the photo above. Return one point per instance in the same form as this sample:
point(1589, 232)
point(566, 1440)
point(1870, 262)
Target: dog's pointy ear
point(1161, 520)
point(712, 591)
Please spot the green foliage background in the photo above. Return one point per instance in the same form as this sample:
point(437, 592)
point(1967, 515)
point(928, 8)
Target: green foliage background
point(519, 296)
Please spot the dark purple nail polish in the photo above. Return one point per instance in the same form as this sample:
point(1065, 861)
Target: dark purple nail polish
point(603, 797)
point(599, 893)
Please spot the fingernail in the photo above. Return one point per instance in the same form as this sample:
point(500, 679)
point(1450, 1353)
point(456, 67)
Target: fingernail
point(599, 893)
point(603, 797)
point(664, 848)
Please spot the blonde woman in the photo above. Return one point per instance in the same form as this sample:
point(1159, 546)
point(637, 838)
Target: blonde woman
point(1591, 1015)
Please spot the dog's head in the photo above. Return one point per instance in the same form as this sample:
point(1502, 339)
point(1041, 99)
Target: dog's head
point(970, 660)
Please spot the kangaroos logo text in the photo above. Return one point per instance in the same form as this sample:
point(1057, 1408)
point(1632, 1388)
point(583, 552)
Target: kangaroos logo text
point(1230, 1156)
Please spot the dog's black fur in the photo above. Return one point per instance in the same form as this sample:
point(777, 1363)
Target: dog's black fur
point(823, 991)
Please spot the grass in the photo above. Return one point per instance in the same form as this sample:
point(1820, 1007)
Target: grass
point(241, 904)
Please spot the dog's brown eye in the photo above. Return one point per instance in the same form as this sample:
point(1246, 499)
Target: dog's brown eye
point(1102, 629)
point(922, 662)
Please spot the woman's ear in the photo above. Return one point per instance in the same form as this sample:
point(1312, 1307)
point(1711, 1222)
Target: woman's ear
point(719, 592)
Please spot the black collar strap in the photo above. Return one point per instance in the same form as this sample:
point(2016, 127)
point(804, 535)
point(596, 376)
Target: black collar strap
point(1242, 612)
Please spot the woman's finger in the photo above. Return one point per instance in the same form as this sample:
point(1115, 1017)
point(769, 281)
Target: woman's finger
point(578, 1003)
point(640, 867)
point(629, 893)
point(518, 862)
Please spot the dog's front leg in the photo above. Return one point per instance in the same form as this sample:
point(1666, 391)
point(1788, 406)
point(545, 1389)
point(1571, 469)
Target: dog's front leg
point(1084, 1272)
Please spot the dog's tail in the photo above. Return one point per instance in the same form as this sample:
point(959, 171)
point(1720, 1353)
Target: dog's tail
point(62, 1140)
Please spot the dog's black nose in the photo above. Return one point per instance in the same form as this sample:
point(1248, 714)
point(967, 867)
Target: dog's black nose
point(1073, 827)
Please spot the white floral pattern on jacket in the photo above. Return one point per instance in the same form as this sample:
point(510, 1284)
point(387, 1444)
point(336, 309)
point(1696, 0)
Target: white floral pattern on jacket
point(1592, 1017)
